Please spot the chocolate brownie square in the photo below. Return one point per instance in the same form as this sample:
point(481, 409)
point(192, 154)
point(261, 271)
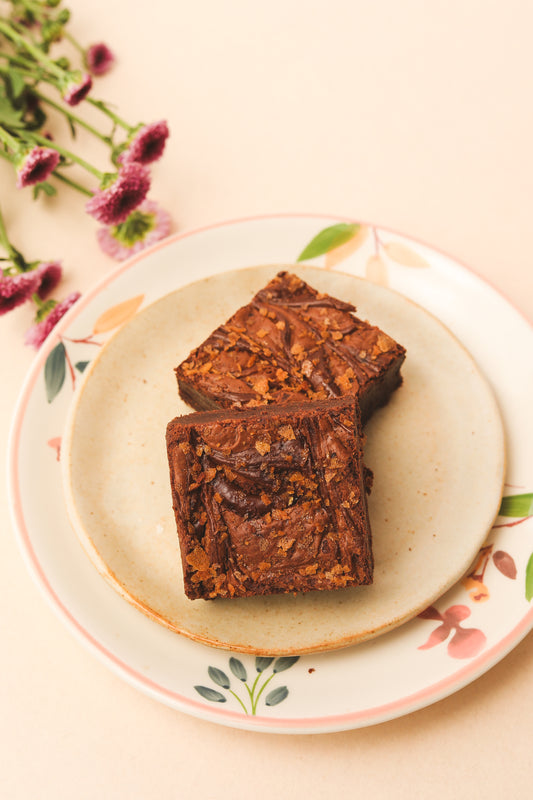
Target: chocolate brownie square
point(291, 343)
point(271, 499)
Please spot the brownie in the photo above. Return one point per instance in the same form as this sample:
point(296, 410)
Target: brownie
point(270, 500)
point(291, 343)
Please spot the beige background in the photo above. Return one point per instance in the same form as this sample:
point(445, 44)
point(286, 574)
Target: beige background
point(414, 115)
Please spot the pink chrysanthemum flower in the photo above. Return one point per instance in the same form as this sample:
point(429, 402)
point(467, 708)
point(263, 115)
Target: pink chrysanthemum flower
point(114, 204)
point(49, 273)
point(147, 145)
point(17, 289)
point(36, 335)
point(36, 166)
point(77, 89)
point(145, 226)
point(99, 59)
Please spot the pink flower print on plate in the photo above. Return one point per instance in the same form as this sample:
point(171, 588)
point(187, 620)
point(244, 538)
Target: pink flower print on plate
point(465, 642)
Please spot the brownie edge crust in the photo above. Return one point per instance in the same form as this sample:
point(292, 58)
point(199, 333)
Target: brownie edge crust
point(270, 500)
point(291, 343)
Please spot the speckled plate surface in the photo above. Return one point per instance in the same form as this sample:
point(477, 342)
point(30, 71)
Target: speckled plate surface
point(459, 636)
point(438, 442)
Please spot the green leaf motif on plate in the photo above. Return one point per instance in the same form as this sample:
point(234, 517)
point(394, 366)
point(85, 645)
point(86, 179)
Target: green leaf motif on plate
point(328, 239)
point(219, 677)
point(54, 371)
point(210, 694)
point(276, 696)
point(238, 668)
point(285, 662)
point(262, 663)
point(81, 366)
point(529, 579)
point(255, 690)
point(517, 505)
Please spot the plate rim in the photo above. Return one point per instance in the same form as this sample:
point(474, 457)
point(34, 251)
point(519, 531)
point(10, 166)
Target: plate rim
point(324, 723)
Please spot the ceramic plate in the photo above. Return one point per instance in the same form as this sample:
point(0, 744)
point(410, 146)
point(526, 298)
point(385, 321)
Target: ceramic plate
point(438, 441)
point(460, 635)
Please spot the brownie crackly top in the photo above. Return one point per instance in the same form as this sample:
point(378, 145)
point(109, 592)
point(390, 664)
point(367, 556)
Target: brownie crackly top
point(291, 343)
point(270, 501)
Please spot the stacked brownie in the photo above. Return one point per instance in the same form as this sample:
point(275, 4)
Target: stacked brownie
point(291, 343)
point(268, 482)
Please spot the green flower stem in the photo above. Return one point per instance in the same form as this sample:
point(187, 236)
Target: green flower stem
point(34, 7)
point(74, 118)
point(74, 42)
point(3, 235)
point(37, 300)
point(28, 68)
point(31, 70)
point(99, 104)
point(32, 74)
point(72, 184)
point(261, 690)
point(18, 60)
point(37, 9)
point(42, 140)
point(236, 696)
point(251, 694)
point(251, 691)
point(15, 257)
point(253, 686)
point(42, 14)
point(10, 141)
point(36, 53)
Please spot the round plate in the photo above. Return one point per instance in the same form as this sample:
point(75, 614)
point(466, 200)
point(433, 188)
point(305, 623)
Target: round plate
point(438, 441)
point(463, 633)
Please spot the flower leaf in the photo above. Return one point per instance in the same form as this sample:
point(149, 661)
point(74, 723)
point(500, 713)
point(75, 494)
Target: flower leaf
point(219, 677)
point(505, 563)
point(456, 614)
point(45, 188)
point(10, 117)
point(529, 579)
point(276, 696)
point(437, 636)
point(343, 251)
point(238, 668)
point(210, 694)
point(15, 83)
point(55, 371)
point(517, 505)
point(431, 613)
point(328, 239)
point(285, 662)
point(262, 663)
point(404, 255)
point(117, 315)
point(376, 270)
point(466, 643)
point(81, 366)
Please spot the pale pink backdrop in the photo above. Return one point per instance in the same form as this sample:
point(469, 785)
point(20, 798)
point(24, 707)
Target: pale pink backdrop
point(416, 116)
